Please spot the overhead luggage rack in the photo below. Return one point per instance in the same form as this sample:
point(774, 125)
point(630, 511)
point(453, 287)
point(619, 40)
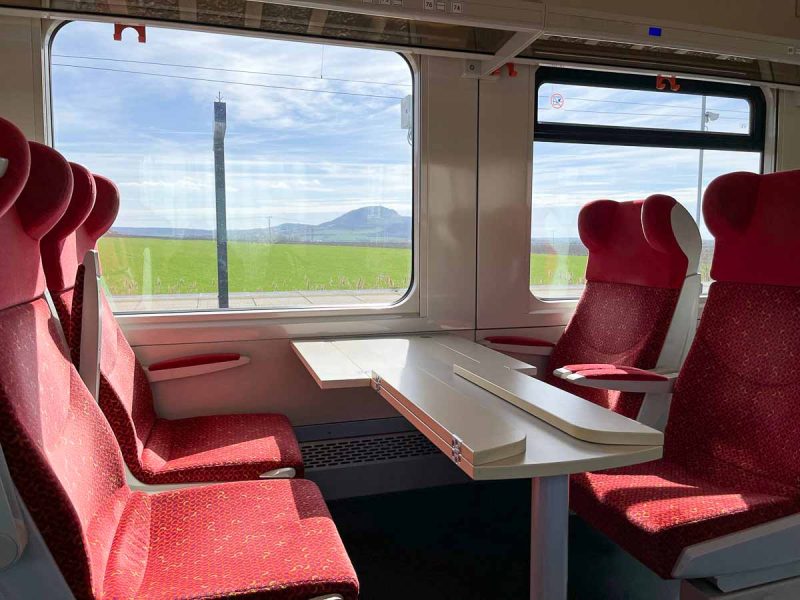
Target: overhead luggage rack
point(487, 34)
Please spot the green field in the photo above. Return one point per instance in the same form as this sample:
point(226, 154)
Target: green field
point(151, 266)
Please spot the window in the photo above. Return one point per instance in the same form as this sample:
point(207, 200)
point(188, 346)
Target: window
point(253, 173)
point(603, 135)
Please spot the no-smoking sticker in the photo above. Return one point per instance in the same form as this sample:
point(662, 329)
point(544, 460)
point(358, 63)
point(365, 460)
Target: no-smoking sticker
point(556, 100)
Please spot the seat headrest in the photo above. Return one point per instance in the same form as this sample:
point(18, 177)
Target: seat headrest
point(59, 256)
point(755, 220)
point(15, 163)
point(40, 205)
point(101, 218)
point(652, 242)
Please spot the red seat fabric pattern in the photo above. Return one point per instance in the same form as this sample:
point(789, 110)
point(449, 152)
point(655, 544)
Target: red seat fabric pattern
point(655, 510)
point(214, 448)
point(219, 448)
point(634, 275)
point(732, 450)
point(272, 539)
point(614, 323)
point(157, 450)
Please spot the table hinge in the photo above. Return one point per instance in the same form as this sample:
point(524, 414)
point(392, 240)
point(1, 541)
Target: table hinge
point(378, 382)
point(455, 449)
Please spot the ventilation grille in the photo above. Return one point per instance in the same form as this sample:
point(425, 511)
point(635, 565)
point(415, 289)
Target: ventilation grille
point(365, 450)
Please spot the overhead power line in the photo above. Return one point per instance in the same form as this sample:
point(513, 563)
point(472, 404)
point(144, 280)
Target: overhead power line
point(260, 85)
point(267, 73)
point(634, 114)
point(686, 108)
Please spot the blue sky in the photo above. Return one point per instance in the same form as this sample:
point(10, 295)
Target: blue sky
point(302, 155)
point(293, 155)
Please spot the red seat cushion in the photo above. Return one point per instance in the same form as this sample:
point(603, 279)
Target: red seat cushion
point(655, 510)
point(212, 448)
point(272, 539)
point(219, 448)
point(731, 452)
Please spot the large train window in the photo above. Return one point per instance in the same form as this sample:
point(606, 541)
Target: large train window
point(603, 135)
point(254, 173)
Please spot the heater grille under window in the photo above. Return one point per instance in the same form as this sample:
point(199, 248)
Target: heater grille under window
point(365, 450)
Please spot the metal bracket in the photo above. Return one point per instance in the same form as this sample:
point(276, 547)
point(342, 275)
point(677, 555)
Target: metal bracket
point(484, 69)
point(377, 383)
point(455, 449)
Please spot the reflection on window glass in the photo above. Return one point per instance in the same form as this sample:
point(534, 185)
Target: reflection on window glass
point(567, 176)
point(614, 107)
point(279, 170)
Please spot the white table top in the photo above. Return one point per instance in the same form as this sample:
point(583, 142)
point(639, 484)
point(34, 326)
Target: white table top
point(417, 378)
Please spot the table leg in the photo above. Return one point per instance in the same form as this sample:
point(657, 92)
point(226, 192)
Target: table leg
point(549, 535)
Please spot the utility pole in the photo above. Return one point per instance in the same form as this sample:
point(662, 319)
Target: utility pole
point(220, 125)
point(698, 208)
point(269, 228)
point(705, 118)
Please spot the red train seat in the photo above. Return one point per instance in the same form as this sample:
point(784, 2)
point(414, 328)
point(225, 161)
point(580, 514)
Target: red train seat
point(640, 301)
point(731, 456)
point(257, 539)
point(156, 450)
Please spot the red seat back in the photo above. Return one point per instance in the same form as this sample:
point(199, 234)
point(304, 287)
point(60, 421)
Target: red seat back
point(125, 395)
point(737, 401)
point(60, 451)
point(60, 257)
point(635, 272)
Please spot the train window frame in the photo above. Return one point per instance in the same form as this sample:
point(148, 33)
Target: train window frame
point(409, 304)
point(641, 137)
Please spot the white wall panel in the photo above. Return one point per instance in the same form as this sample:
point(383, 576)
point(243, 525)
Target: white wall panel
point(788, 151)
point(504, 208)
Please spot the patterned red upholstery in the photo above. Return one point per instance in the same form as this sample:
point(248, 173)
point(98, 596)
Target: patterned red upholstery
point(16, 156)
point(250, 539)
point(617, 324)
point(59, 253)
point(634, 277)
point(754, 219)
point(654, 511)
point(219, 448)
point(732, 452)
point(271, 539)
point(215, 448)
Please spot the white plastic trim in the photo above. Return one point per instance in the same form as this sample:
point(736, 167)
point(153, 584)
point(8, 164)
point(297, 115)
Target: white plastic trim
point(742, 581)
point(3, 166)
point(194, 370)
point(760, 547)
point(91, 324)
point(13, 534)
point(571, 414)
point(282, 473)
point(687, 234)
point(519, 348)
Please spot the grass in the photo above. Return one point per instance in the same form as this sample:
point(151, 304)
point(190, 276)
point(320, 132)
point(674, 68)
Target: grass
point(151, 266)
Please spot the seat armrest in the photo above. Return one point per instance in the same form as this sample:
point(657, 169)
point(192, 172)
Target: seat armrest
point(620, 378)
point(194, 365)
point(518, 344)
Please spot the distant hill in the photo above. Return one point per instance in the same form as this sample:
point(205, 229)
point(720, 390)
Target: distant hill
point(371, 225)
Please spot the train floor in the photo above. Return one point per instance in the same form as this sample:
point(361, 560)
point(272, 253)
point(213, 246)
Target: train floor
point(471, 542)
